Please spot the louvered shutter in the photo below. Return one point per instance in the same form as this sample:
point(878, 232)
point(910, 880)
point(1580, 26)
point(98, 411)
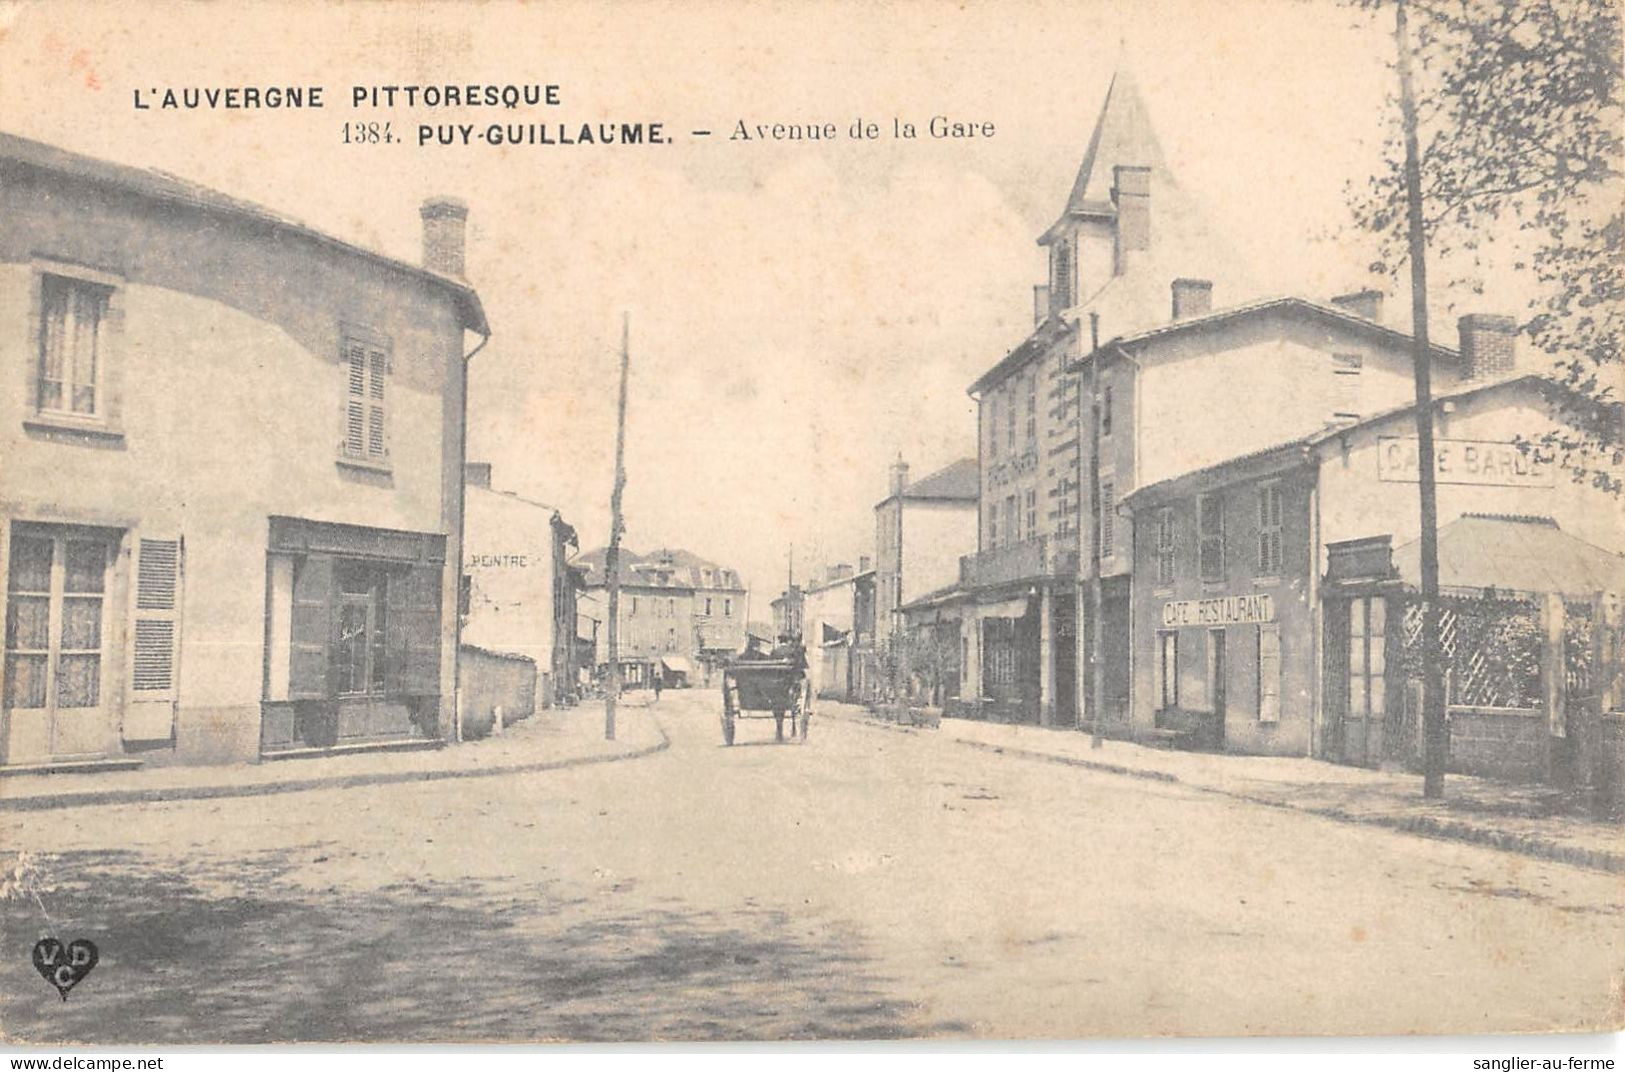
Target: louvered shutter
point(412, 630)
point(355, 400)
point(377, 420)
point(155, 641)
point(312, 629)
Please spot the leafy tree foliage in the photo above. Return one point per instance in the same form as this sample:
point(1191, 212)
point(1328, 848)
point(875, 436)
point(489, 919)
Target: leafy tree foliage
point(1521, 144)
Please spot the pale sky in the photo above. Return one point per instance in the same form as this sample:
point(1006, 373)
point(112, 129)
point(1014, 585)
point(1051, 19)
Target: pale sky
point(801, 313)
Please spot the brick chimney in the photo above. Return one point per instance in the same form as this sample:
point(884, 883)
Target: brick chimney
point(864, 562)
point(1366, 304)
point(1488, 345)
point(1040, 303)
point(1131, 193)
point(477, 474)
point(444, 222)
point(899, 476)
point(1192, 297)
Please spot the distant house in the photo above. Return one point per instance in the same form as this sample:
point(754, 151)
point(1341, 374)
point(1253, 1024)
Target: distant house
point(681, 616)
point(232, 487)
point(787, 609)
point(519, 590)
point(839, 622)
point(922, 527)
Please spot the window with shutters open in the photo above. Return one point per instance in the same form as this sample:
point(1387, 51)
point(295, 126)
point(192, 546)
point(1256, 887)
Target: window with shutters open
point(155, 646)
point(1269, 529)
point(366, 367)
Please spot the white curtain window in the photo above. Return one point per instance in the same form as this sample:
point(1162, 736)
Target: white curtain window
point(73, 313)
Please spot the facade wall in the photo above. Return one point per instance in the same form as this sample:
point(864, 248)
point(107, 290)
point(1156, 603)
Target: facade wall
point(653, 622)
point(1358, 503)
point(225, 391)
point(1029, 452)
point(888, 557)
point(1292, 619)
point(935, 534)
point(828, 606)
point(1271, 377)
point(509, 562)
point(723, 626)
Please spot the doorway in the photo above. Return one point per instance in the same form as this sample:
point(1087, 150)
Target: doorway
point(1361, 638)
point(56, 699)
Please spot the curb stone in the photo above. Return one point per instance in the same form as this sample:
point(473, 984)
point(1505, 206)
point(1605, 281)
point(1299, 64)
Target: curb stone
point(1428, 826)
point(167, 794)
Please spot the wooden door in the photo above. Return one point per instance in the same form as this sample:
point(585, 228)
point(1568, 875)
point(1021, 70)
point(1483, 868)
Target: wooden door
point(1367, 669)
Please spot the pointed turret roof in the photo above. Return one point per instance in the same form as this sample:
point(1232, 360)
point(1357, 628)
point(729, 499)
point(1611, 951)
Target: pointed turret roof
point(1122, 135)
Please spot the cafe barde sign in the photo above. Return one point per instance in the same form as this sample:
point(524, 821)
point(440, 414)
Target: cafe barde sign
point(1225, 610)
point(1463, 461)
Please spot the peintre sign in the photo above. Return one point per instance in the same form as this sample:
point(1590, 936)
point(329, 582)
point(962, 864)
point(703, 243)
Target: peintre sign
point(1463, 461)
point(1224, 610)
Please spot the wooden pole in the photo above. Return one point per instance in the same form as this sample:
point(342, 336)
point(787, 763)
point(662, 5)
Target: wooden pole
point(612, 557)
point(1435, 743)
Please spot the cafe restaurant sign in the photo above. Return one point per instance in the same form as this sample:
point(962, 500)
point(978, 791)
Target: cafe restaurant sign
point(1225, 610)
point(1464, 461)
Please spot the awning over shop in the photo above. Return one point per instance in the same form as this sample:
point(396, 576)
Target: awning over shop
point(1512, 552)
point(676, 664)
point(1005, 608)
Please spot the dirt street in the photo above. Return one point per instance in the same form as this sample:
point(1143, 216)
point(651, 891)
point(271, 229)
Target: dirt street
point(863, 884)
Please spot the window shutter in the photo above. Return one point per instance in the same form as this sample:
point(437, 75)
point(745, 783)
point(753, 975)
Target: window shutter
point(1269, 673)
point(377, 421)
point(312, 629)
point(412, 628)
point(355, 399)
point(155, 644)
point(1108, 518)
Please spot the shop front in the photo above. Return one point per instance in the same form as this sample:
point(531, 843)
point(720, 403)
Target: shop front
point(353, 636)
point(1223, 619)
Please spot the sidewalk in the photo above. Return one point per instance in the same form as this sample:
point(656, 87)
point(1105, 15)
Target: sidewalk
point(551, 739)
point(1514, 818)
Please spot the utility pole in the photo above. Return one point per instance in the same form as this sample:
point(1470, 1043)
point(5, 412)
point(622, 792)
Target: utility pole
point(1435, 743)
point(1097, 687)
point(612, 557)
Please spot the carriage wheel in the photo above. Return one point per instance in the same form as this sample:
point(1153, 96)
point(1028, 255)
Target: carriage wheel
point(727, 716)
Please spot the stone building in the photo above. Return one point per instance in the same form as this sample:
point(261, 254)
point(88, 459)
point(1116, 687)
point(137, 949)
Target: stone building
point(681, 616)
point(519, 585)
point(231, 504)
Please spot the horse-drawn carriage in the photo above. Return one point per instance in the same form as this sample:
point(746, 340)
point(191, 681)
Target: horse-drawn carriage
point(758, 685)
